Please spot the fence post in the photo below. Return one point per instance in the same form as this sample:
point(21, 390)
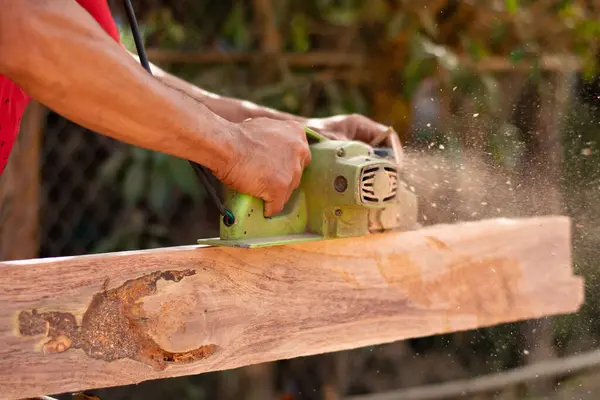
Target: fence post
point(20, 190)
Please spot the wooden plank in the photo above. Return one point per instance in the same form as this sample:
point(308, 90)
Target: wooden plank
point(76, 323)
point(20, 190)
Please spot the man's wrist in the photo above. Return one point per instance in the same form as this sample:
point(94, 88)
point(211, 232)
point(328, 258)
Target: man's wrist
point(197, 134)
point(216, 137)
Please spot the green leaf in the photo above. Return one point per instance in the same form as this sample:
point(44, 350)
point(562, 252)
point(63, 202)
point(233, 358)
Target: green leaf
point(396, 24)
point(160, 192)
point(477, 49)
point(299, 33)
point(415, 71)
point(497, 33)
point(106, 245)
point(139, 154)
point(342, 16)
point(536, 71)
point(160, 159)
point(184, 177)
point(512, 6)
point(112, 242)
point(507, 149)
point(590, 66)
point(235, 26)
point(517, 55)
point(133, 184)
point(290, 100)
point(111, 167)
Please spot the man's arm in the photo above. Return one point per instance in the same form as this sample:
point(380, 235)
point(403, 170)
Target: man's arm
point(60, 56)
point(352, 126)
point(234, 110)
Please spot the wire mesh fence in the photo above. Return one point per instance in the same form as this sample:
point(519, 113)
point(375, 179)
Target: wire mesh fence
point(78, 210)
point(101, 195)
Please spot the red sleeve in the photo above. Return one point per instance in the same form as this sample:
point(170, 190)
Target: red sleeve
point(101, 12)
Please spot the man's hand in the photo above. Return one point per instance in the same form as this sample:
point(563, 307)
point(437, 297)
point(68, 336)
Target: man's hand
point(349, 127)
point(268, 160)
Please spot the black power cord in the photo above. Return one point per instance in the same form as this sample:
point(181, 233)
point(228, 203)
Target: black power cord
point(201, 171)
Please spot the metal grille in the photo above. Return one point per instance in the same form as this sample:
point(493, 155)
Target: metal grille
point(379, 184)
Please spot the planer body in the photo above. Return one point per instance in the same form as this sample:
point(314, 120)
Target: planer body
point(349, 189)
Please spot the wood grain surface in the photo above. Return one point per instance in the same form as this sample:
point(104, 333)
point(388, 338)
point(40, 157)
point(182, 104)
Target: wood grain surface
point(77, 323)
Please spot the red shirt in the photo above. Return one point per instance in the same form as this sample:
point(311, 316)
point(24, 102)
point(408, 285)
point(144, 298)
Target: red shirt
point(13, 100)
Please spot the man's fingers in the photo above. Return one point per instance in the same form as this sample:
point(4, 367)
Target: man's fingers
point(274, 207)
point(295, 183)
point(382, 137)
point(388, 142)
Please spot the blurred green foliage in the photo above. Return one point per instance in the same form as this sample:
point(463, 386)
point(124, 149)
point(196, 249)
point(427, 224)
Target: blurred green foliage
point(405, 43)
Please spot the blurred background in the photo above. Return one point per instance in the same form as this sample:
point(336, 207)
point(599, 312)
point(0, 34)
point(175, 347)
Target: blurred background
point(495, 101)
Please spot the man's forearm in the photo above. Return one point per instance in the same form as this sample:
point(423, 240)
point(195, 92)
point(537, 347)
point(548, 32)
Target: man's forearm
point(234, 110)
point(60, 56)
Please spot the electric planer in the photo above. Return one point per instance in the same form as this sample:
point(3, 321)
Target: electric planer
point(348, 189)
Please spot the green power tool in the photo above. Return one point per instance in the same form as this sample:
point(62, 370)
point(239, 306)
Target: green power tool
point(348, 189)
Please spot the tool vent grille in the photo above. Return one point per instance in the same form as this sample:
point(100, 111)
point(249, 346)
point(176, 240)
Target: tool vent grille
point(378, 184)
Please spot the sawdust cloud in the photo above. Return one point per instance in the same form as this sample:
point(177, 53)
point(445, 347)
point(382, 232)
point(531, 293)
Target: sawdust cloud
point(463, 186)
